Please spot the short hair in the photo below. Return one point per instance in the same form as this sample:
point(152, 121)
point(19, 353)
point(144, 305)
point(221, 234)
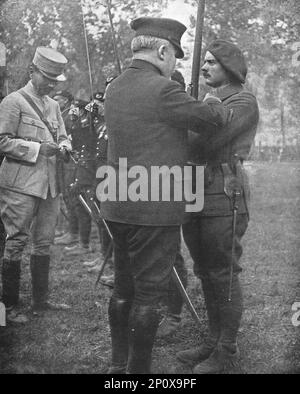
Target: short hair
point(143, 42)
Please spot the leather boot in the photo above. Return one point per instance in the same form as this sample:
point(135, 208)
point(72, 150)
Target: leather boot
point(200, 353)
point(225, 356)
point(39, 267)
point(118, 314)
point(11, 272)
point(231, 314)
point(221, 360)
point(143, 323)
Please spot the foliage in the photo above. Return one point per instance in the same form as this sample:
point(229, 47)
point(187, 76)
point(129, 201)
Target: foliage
point(266, 30)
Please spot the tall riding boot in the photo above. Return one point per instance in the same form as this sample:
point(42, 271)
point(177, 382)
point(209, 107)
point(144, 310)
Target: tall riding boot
point(198, 354)
point(118, 313)
point(143, 323)
point(39, 267)
point(231, 314)
point(11, 272)
point(226, 354)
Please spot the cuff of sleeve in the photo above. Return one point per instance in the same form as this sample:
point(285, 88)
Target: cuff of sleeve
point(65, 144)
point(33, 150)
point(212, 100)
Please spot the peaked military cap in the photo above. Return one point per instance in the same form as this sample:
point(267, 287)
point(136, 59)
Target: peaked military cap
point(168, 29)
point(230, 57)
point(50, 63)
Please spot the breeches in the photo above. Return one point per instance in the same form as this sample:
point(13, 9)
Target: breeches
point(144, 258)
point(209, 240)
point(21, 214)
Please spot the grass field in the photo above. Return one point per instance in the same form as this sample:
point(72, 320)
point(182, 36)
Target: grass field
point(78, 341)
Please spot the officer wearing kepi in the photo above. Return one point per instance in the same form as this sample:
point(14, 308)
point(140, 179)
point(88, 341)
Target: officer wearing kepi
point(147, 117)
point(214, 235)
point(32, 136)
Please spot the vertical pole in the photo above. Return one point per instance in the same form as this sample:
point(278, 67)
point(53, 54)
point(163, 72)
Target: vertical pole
point(197, 49)
point(87, 49)
point(113, 33)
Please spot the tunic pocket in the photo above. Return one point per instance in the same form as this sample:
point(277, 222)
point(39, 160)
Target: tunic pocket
point(31, 128)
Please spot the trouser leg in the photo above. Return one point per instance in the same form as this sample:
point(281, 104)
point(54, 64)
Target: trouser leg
point(17, 211)
point(144, 257)
point(43, 228)
point(43, 232)
point(213, 260)
point(85, 225)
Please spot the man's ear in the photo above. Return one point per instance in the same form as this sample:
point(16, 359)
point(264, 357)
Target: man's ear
point(161, 52)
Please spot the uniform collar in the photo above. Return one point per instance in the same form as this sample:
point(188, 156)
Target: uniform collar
point(29, 88)
point(144, 65)
point(227, 91)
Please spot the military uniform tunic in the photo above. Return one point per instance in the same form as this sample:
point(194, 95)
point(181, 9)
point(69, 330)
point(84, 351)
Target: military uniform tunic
point(209, 233)
point(28, 179)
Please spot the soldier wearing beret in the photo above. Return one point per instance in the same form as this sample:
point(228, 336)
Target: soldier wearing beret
point(214, 236)
point(147, 117)
point(32, 136)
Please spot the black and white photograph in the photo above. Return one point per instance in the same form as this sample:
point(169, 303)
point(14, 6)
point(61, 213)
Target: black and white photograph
point(149, 189)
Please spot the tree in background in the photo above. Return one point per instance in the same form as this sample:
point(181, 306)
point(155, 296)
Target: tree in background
point(27, 24)
point(266, 30)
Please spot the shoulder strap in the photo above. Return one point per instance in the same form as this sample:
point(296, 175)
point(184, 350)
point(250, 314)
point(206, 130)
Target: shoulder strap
point(36, 109)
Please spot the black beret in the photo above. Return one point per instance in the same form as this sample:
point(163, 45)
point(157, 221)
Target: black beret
point(168, 29)
point(230, 57)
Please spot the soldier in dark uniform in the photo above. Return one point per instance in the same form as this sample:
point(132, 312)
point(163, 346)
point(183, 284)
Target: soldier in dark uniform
point(89, 161)
point(93, 154)
point(147, 117)
point(83, 127)
point(209, 234)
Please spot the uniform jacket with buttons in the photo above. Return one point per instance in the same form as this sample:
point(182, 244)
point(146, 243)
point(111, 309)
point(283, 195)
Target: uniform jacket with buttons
point(231, 146)
point(147, 118)
point(24, 170)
